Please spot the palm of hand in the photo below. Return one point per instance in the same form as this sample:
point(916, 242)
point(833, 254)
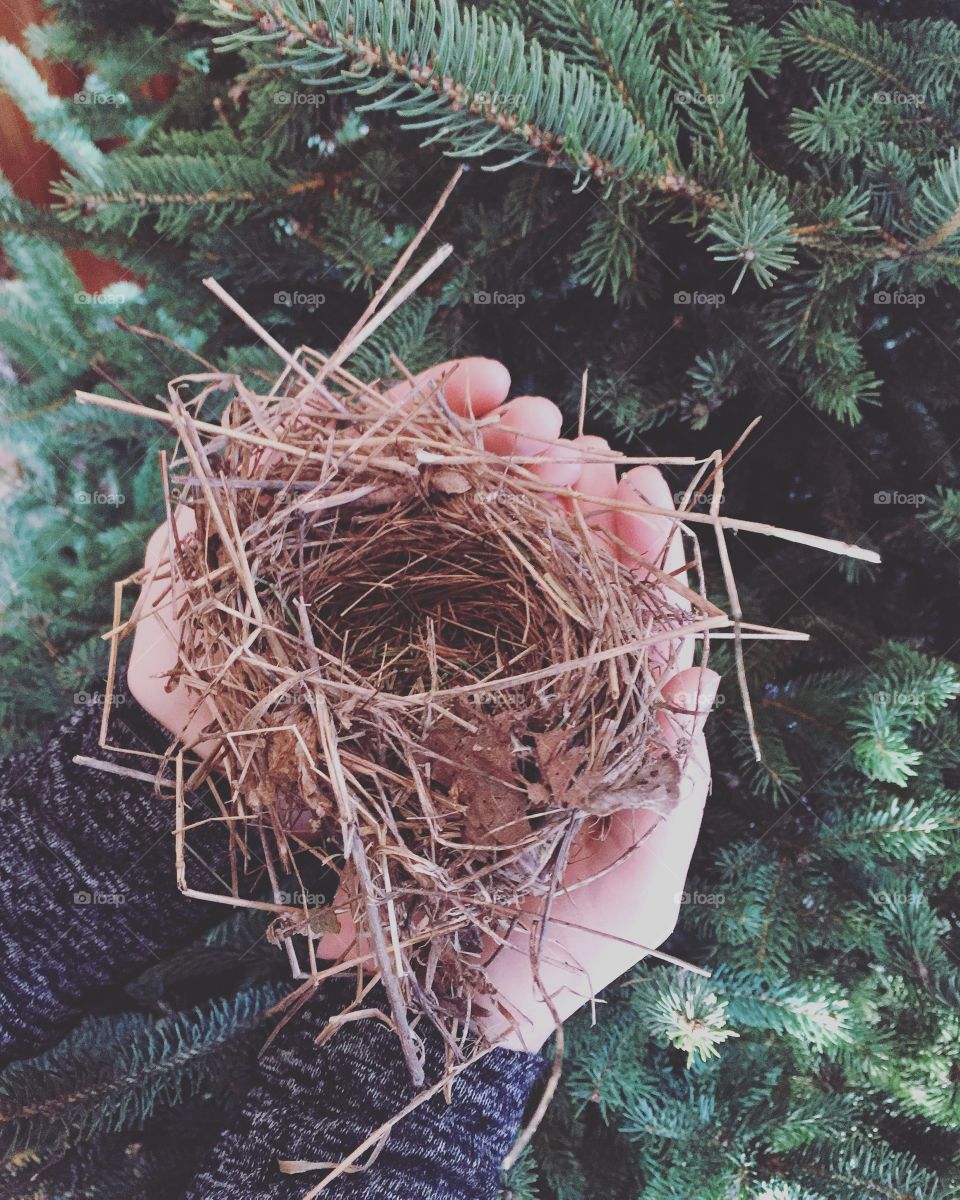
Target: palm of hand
point(621, 892)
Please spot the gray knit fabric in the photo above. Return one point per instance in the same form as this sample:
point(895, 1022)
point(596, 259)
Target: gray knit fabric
point(317, 1104)
point(88, 898)
point(87, 889)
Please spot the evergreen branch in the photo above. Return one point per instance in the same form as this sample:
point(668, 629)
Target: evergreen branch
point(617, 41)
point(940, 201)
point(49, 115)
point(482, 87)
point(897, 829)
point(603, 1070)
point(848, 54)
point(517, 89)
point(91, 202)
point(169, 186)
point(763, 936)
point(867, 1171)
point(834, 39)
point(112, 1072)
point(688, 1012)
point(942, 516)
point(24, 220)
point(809, 1014)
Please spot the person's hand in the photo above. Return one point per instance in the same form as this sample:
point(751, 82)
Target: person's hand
point(621, 893)
point(156, 640)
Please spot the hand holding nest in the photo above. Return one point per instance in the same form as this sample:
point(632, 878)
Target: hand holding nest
point(619, 895)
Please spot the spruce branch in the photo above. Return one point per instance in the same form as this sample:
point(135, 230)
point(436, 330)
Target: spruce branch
point(688, 1012)
point(860, 1169)
point(50, 116)
point(895, 828)
point(24, 220)
point(755, 231)
point(907, 57)
point(113, 1072)
point(474, 71)
point(170, 187)
point(619, 43)
point(942, 516)
point(479, 86)
point(938, 204)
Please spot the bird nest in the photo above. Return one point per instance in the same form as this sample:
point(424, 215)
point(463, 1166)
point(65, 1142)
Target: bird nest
point(421, 666)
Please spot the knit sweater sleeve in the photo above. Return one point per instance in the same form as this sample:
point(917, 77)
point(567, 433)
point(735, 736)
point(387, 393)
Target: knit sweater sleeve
point(88, 897)
point(87, 887)
point(317, 1103)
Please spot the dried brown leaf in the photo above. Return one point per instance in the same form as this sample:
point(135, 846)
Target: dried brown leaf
point(655, 787)
point(449, 482)
point(315, 921)
point(477, 770)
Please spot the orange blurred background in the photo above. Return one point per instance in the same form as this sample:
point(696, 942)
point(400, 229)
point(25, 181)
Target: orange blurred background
point(31, 166)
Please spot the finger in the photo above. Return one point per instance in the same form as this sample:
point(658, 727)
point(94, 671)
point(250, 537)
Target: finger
point(645, 535)
point(678, 652)
point(682, 650)
point(471, 386)
point(159, 545)
point(596, 479)
point(562, 466)
point(527, 426)
point(688, 696)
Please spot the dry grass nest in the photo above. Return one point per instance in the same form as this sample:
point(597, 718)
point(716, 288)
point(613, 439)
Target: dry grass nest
point(418, 641)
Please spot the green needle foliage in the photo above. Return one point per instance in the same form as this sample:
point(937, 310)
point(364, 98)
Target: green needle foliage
point(106, 1107)
point(721, 211)
point(112, 1073)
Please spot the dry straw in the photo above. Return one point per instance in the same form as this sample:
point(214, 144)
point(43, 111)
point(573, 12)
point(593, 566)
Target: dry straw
point(411, 639)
